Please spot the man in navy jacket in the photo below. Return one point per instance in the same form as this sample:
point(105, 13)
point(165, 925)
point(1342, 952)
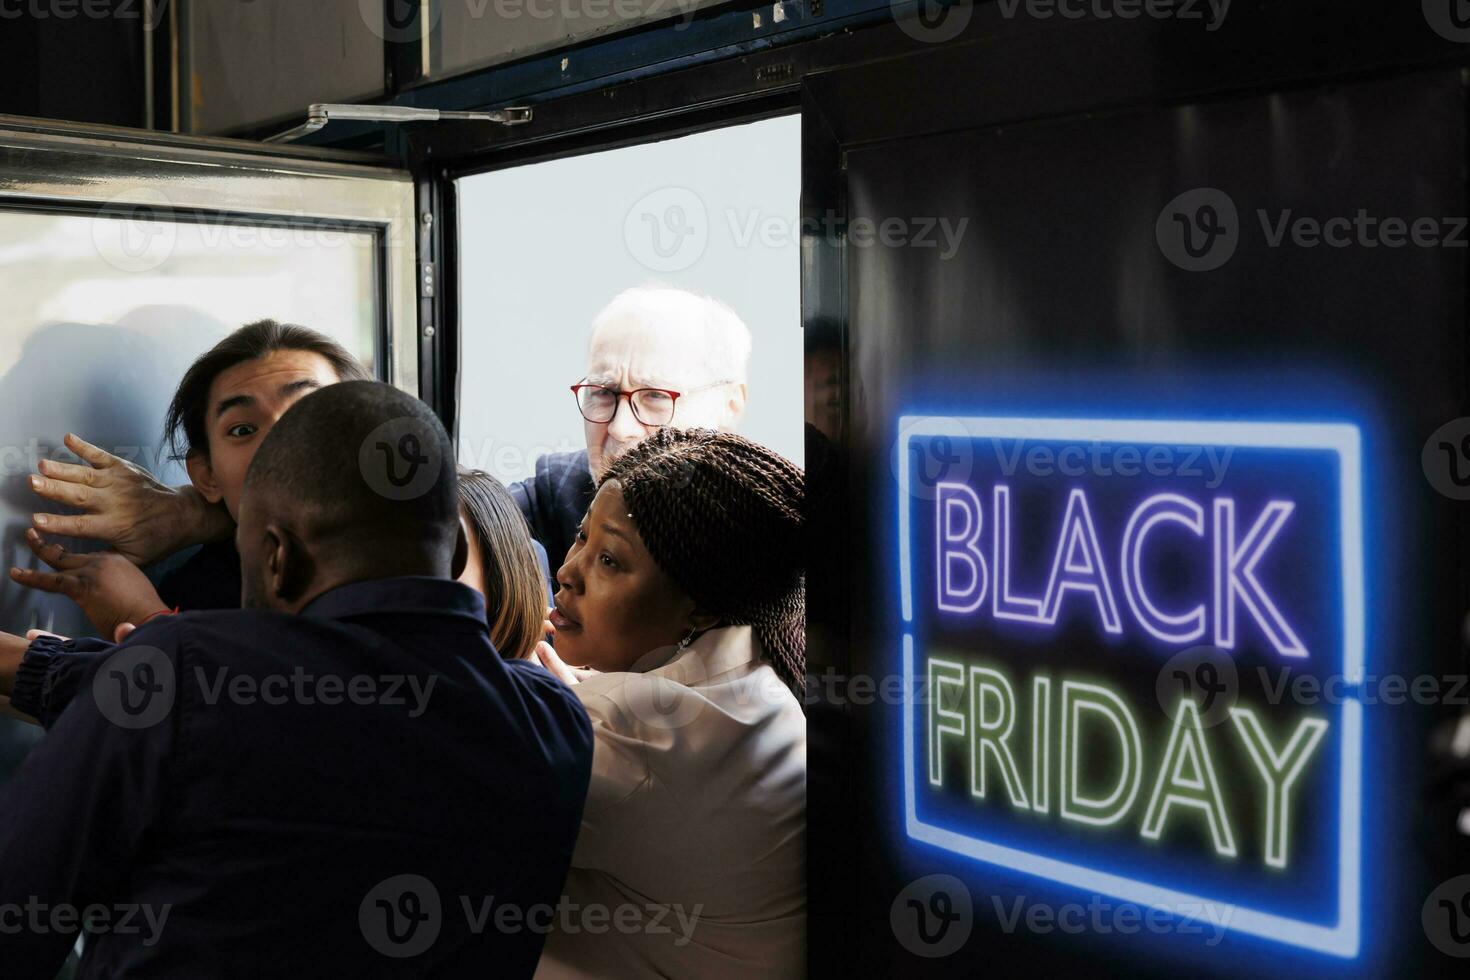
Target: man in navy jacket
point(555, 500)
point(341, 779)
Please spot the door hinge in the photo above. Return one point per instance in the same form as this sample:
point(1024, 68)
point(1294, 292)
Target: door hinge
point(322, 113)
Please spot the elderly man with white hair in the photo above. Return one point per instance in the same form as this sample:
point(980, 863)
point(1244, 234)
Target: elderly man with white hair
point(658, 356)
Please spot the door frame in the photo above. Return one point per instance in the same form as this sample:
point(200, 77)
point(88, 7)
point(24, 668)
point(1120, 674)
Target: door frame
point(114, 171)
point(739, 89)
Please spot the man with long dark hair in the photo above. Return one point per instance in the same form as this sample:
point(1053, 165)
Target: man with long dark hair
point(224, 406)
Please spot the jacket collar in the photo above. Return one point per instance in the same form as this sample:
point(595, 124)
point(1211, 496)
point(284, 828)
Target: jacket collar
point(715, 652)
point(411, 595)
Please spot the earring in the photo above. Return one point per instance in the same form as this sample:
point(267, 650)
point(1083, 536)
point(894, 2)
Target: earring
point(684, 643)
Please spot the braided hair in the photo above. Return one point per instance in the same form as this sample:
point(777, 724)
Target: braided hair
point(723, 517)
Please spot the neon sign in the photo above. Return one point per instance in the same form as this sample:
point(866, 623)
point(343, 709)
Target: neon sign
point(1040, 609)
point(1078, 564)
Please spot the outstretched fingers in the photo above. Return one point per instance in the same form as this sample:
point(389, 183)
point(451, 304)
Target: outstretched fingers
point(69, 525)
point(62, 491)
point(34, 578)
point(92, 454)
point(70, 472)
point(51, 553)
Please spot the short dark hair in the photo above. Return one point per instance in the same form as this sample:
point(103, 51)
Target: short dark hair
point(320, 461)
point(184, 424)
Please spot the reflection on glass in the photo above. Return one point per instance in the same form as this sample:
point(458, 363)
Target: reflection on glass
point(103, 315)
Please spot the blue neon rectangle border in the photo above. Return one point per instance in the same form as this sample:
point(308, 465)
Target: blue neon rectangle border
point(1344, 939)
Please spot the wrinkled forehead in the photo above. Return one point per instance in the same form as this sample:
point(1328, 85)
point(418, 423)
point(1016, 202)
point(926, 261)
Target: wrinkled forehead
point(267, 374)
point(662, 352)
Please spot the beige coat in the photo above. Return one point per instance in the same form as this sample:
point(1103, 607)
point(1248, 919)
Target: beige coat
point(691, 861)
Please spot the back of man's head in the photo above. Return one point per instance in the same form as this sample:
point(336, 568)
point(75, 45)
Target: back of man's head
point(355, 482)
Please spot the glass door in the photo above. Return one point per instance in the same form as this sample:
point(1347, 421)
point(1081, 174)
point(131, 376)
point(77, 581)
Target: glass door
point(124, 255)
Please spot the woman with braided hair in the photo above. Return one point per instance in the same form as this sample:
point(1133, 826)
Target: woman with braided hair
point(680, 624)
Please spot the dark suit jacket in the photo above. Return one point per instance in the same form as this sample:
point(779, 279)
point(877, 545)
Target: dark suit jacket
point(555, 500)
point(340, 793)
point(210, 578)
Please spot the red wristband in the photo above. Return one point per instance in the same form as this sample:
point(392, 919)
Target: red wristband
point(161, 612)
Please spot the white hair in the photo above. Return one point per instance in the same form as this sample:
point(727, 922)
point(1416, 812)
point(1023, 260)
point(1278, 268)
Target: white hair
point(725, 337)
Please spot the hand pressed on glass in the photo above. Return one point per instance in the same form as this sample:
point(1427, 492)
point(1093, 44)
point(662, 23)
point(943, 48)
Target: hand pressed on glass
point(111, 590)
point(140, 518)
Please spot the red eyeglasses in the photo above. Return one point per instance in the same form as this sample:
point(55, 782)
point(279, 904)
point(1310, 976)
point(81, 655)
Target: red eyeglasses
point(651, 406)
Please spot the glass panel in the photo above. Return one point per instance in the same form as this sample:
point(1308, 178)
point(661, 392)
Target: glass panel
point(156, 180)
point(105, 310)
point(103, 315)
point(545, 247)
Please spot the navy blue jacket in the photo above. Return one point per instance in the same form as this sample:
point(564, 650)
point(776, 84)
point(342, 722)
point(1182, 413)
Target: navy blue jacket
point(311, 795)
point(555, 501)
point(210, 578)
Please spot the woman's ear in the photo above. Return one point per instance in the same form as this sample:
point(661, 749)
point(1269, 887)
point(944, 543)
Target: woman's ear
point(201, 474)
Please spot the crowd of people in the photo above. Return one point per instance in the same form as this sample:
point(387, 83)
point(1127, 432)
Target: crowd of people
point(353, 710)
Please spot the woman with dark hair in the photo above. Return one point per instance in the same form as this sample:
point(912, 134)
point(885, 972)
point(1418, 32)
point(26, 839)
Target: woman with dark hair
point(502, 564)
point(680, 622)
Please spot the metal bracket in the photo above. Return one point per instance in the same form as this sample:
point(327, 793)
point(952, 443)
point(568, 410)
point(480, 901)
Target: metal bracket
point(321, 113)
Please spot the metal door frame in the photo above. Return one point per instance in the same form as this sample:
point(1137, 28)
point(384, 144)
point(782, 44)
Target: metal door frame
point(53, 166)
